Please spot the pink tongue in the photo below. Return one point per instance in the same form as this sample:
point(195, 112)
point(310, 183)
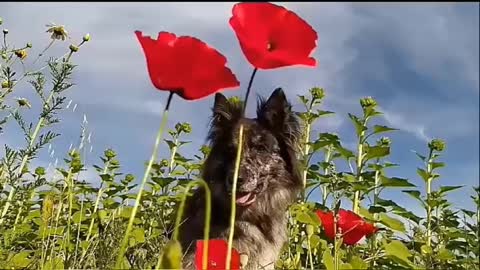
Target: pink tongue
point(243, 199)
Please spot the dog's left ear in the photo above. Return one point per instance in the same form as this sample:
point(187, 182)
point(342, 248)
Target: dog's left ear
point(274, 112)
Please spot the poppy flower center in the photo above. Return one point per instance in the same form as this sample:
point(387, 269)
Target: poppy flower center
point(270, 46)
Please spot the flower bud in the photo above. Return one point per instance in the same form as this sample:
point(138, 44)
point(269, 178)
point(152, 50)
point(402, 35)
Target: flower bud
point(109, 154)
point(5, 31)
point(436, 145)
point(4, 56)
point(317, 93)
point(384, 141)
point(129, 178)
point(6, 84)
point(29, 45)
point(368, 102)
point(40, 171)
point(22, 54)
point(86, 38)
point(22, 102)
point(1, 21)
point(73, 48)
point(164, 163)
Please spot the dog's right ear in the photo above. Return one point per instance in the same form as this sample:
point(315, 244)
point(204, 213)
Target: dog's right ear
point(226, 113)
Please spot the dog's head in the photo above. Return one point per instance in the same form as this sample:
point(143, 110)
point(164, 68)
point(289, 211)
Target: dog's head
point(268, 166)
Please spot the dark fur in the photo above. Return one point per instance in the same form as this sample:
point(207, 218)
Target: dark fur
point(269, 169)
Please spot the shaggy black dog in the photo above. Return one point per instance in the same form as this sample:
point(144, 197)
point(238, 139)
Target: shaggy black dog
point(268, 182)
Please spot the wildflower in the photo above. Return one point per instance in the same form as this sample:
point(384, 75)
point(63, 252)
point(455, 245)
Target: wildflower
point(271, 36)
point(217, 253)
point(58, 31)
point(368, 102)
point(384, 141)
point(317, 93)
point(437, 145)
point(185, 65)
point(350, 225)
point(22, 54)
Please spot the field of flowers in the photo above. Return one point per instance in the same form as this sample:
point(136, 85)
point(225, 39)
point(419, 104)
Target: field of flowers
point(122, 221)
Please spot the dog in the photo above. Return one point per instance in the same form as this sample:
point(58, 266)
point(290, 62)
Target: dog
point(269, 180)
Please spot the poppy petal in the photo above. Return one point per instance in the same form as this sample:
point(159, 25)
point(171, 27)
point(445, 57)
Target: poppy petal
point(185, 65)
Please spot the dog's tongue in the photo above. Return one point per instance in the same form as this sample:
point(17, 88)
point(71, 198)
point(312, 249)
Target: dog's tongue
point(245, 199)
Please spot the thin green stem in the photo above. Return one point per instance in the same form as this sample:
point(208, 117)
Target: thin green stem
point(361, 141)
point(234, 193)
point(238, 159)
point(206, 227)
point(429, 208)
point(123, 245)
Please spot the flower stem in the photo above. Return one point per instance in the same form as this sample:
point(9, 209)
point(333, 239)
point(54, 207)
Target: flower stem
point(235, 176)
point(123, 245)
point(361, 141)
point(206, 227)
point(429, 208)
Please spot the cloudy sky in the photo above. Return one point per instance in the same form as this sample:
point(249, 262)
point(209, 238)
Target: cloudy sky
point(419, 61)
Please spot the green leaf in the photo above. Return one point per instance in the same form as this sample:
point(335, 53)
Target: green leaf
point(436, 165)
point(380, 129)
point(394, 182)
point(20, 260)
point(314, 241)
point(423, 158)
point(414, 194)
point(397, 250)
point(376, 209)
point(359, 127)
point(139, 235)
point(52, 264)
point(345, 266)
point(392, 223)
point(445, 189)
point(347, 154)
point(78, 217)
point(172, 256)
point(445, 255)
point(358, 263)
point(426, 249)
point(425, 175)
point(364, 213)
point(324, 113)
point(377, 152)
point(308, 218)
point(328, 260)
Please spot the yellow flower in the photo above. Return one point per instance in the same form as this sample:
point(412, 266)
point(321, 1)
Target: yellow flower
point(22, 54)
point(58, 31)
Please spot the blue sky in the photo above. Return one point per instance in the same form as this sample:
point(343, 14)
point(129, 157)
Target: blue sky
point(419, 61)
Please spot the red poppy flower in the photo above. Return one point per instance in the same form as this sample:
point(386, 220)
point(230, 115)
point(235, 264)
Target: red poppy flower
point(350, 225)
point(185, 65)
point(272, 36)
point(217, 255)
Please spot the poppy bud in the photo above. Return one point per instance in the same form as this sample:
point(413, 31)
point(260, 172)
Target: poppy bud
point(86, 38)
point(73, 48)
point(436, 145)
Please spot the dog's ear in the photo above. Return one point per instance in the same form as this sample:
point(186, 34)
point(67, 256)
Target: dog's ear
point(225, 115)
point(276, 114)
